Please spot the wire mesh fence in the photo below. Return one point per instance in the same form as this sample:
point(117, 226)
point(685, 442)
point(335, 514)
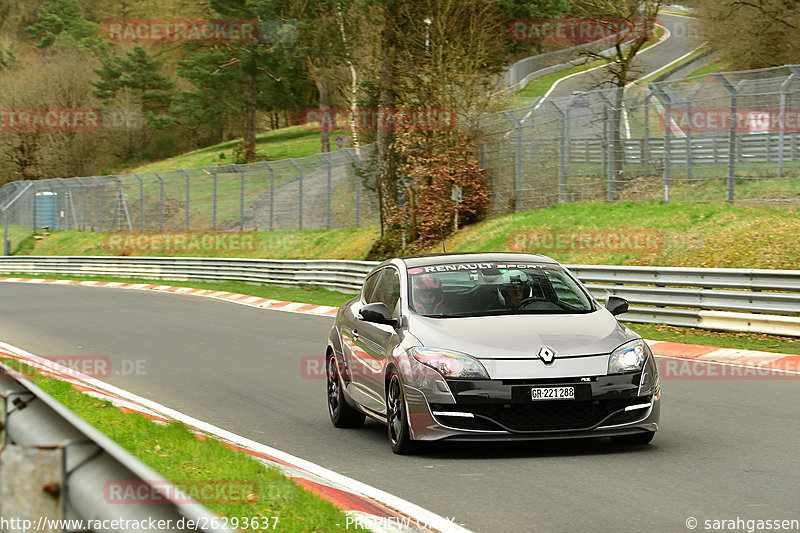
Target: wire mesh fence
point(720, 137)
point(716, 138)
point(320, 191)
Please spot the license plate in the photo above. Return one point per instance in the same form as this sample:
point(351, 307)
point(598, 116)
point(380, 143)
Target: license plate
point(553, 393)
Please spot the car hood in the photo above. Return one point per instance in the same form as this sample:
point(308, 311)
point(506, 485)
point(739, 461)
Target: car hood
point(521, 336)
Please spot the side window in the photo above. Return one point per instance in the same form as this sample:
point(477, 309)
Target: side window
point(369, 286)
point(388, 289)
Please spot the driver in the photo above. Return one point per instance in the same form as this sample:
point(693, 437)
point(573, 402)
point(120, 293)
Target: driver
point(514, 287)
point(428, 295)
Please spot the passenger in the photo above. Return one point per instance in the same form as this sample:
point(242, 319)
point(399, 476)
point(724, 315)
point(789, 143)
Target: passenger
point(428, 295)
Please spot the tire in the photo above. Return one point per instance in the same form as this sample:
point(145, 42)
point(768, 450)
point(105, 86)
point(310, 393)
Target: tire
point(397, 418)
point(639, 439)
point(342, 415)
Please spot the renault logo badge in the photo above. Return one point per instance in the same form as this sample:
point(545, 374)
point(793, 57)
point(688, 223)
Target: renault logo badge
point(547, 354)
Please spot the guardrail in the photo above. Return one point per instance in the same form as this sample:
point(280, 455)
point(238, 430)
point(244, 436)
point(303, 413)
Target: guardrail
point(732, 299)
point(753, 147)
point(335, 274)
point(754, 300)
point(56, 466)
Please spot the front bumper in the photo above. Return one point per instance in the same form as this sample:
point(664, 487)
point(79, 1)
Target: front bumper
point(503, 409)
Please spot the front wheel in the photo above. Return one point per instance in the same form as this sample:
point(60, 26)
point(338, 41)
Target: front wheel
point(397, 418)
point(342, 415)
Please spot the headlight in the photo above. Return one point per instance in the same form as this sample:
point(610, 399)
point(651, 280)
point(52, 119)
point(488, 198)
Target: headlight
point(629, 357)
point(450, 364)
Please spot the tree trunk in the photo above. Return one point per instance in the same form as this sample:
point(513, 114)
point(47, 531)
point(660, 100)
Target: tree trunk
point(250, 119)
point(387, 160)
point(324, 133)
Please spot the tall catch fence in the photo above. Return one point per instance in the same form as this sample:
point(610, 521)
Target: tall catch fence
point(715, 138)
point(321, 191)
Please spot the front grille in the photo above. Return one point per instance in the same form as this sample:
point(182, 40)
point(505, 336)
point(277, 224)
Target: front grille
point(539, 416)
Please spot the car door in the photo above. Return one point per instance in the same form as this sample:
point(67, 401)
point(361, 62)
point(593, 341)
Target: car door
point(373, 343)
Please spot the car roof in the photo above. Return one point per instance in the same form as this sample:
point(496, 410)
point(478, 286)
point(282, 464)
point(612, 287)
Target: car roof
point(474, 257)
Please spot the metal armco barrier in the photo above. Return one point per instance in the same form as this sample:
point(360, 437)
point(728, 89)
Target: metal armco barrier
point(86, 461)
point(753, 300)
point(335, 274)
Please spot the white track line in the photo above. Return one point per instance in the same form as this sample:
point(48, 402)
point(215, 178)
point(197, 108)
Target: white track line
point(410, 509)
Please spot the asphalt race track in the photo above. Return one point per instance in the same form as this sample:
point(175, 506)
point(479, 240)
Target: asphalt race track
point(727, 449)
point(683, 40)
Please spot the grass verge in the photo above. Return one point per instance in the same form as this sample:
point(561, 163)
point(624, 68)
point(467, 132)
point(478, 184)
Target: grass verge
point(345, 243)
point(320, 296)
point(690, 235)
point(306, 293)
point(723, 339)
point(293, 141)
point(540, 86)
point(238, 485)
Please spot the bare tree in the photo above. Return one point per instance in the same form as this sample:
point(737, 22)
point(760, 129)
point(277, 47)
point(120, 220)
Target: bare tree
point(753, 33)
point(631, 22)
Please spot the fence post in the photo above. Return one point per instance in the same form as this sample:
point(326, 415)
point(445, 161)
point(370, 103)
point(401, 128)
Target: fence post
point(271, 192)
point(6, 244)
point(782, 134)
point(667, 128)
point(85, 188)
point(645, 154)
point(354, 154)
point(70, 201)
point(141, 201)
point(518, 161)
point(213, 200)
point(734, 92)
point(326, 159)
point(299, 193)
point(608, 134)
point(689, 97)
point(160, 201)
point(241, 197)
point(562, 150)
point(35, 191)
point(187, 197)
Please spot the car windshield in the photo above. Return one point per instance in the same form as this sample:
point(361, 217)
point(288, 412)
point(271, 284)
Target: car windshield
point(482, 289)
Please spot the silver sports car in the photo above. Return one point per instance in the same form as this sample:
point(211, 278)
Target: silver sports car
point(496, 346)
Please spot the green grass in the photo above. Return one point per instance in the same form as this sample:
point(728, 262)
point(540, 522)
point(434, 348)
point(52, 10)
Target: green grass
point(249, 489)
point(694, 235)
point(287, 293)
point(17, 235)
point(690, 234)
point(686, 59)
point(293, 141)
point(720, 65)
point(741, 341)
point(540, 86)
point(346, 243)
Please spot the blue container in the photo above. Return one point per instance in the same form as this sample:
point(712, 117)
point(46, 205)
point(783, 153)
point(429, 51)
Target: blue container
point(47, 210)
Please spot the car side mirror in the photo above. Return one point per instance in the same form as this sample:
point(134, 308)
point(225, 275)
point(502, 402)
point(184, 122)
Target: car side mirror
point(378, 313)
point(616, 305)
